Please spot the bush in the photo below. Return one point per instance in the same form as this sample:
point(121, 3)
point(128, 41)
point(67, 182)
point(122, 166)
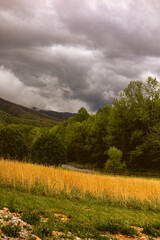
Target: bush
point(49, 150)
point(114, 162)
point(12, 144)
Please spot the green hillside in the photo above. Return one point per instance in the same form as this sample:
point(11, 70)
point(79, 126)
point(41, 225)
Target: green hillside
point(11, 113)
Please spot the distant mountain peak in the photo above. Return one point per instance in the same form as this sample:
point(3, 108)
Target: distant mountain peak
point(36, 109)
point(59, 115)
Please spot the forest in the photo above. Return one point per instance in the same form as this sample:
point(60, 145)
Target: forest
point(125, 135)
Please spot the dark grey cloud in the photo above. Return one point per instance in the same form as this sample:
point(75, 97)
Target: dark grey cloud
point(62, 55)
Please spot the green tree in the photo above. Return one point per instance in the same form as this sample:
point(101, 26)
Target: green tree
point(32, 136)
point(85, 136)
point(114, 163)
point(96, 130)
point(73, 132)
point(12, 144)
point(76, 143)
point(82, 115)
point(49, 150)
point(153, 141)
point(133, 114)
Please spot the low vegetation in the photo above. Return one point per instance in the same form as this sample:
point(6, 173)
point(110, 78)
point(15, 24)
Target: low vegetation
point(50, 181)
point(62, 204)
point(11, 230)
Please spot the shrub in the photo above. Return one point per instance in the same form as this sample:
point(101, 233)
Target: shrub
point(49, 150)
point(114, 162)
point(12, 143)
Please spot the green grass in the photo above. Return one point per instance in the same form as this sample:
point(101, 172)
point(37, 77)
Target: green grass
point(152, 229)
point(87, 217)
point(31, 217)
point(114, 226)
point(11, 230)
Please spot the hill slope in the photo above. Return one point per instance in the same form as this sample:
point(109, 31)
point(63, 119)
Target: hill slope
point(11, 113)
point(59, 115)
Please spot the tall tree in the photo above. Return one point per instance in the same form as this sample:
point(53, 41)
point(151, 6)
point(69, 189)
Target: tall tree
point(82, 115)
point(133, 113)
point(96, 136)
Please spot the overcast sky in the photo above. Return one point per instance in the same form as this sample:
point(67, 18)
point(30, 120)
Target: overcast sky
point(65, 54)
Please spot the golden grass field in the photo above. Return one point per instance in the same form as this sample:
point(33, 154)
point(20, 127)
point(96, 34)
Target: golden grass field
point(56, 179)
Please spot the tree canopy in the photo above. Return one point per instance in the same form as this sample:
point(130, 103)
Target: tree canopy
point(49, 150)
point(12, 143)
point(131, 125)
point(133, 114)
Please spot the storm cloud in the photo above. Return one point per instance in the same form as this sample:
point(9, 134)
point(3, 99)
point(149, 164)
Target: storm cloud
point(63, 55)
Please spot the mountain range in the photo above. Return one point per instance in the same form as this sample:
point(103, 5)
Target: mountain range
point(11, 113)
point(59, 115)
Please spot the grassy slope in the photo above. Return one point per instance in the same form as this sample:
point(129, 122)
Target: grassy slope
point(87, 214)
point(16, 114)
point(6, 118)
point(49, 180)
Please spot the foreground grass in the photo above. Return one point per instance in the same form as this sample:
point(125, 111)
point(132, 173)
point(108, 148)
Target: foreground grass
point(95, 205)
point(87, 217)
point(54, 180)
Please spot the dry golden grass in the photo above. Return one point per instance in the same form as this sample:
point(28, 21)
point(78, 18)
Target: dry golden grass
point(57, 179)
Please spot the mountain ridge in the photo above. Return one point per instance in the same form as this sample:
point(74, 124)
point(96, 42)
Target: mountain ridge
point(61, 115)
point(12, 113)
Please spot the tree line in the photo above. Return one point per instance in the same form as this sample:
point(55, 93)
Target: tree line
point(125, 135)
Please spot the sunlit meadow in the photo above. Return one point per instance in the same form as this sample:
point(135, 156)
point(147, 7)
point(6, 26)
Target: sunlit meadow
point(56, 180)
